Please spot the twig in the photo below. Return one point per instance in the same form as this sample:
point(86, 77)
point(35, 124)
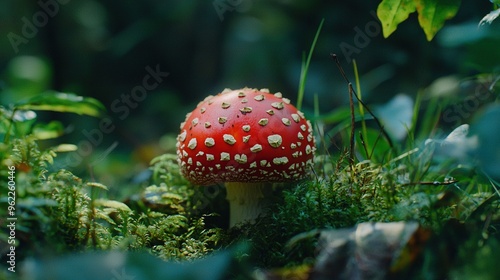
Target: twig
point(389, 141)
point(447, 181)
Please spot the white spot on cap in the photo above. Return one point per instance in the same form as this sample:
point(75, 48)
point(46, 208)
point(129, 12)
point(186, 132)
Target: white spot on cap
point(256, 148)
point(195, 121)
point(286, 100)
point(224, 156)
point(208, 124)
point(270, 112)
point(278, 94)
point(241, 94)
point(274, 140)
point(192, 143)
point(253, 164)
point(263, 121)
point(263, 162)
point(278, 105)
point(240, 158)
point(182, 136)
point(293, 146)
point(309, 137)
point(222, 120)
point(246, 128)
point(228, 138)
point(308, 149)
point(280, 160)
point(246, 110)
point(225, 105)
point(200, 153)
point(259, 97)
point(190, 161)
point(264, 90)
point(202, 110)
point(286, 121)
point(246, 138)
point(300, 136)
point(209, 142)
point(296, 118)
point(210, 157)
point(303, 127)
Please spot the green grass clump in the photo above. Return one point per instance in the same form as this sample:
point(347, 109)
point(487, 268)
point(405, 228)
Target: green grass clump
point(339, 197)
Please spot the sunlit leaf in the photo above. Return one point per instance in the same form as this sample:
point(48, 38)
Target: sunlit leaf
point(112, 204)
point(51, 130)
point(432, 14)
point(64, 148)
point(97, 185)
point(63, 102)
point(392, 12)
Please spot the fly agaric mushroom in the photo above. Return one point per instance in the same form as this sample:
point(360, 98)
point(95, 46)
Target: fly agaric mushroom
point(245, 138)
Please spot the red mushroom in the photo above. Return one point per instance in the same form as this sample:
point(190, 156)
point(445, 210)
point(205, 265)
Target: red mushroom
point(245, 138)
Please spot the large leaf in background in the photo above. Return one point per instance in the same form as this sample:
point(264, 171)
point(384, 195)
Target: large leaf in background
point(123, 265)
point(393, 12)
point(63, 102)
point(369, 251)
point(488, 151)
point(432, 14)
point(396, 116)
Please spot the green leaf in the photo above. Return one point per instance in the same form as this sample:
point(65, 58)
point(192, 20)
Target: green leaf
point(51, 130)
point(392, 12)
point(432, 14)
point(373, 145)
point(63, 102)
point(64, 148)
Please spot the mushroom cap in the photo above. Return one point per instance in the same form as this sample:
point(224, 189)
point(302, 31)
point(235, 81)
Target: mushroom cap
point(245, 135)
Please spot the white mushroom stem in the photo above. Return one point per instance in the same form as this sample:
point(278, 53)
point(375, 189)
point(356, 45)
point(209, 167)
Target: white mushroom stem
point(245, 201)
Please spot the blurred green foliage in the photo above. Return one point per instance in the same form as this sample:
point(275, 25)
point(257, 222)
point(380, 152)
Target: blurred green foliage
point(86, 184)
